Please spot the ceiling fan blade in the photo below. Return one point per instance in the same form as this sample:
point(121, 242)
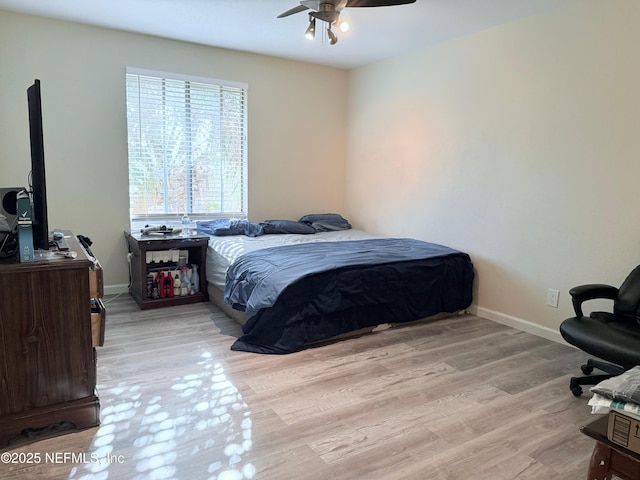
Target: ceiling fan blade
point(378, 3)
point(314, 4)
point(298, 9)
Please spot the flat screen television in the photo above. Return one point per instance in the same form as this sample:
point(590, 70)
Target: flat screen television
point(37, 180)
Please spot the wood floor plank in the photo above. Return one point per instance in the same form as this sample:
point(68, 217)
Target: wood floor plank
point(449, 398)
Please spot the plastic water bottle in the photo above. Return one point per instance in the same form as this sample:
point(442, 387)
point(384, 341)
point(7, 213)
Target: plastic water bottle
point(195, 279)
point(176, 285)
point(185, 284)
point(186, 229)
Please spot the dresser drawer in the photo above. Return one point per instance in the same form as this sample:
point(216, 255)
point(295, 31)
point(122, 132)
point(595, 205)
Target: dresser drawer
point(96, 283)
point(98, 316)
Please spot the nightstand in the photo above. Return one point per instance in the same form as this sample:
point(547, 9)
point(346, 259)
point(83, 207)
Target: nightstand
point(152, 256)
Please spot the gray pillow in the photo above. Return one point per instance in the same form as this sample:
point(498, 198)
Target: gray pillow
point(286, 226)
point(326, 222)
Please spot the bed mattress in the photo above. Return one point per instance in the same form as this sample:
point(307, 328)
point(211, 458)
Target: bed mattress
point(224, 250)
point(343, 298)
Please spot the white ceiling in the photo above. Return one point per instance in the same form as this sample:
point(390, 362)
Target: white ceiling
point(251, 25)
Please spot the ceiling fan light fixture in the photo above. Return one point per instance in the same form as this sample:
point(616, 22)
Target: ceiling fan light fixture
point(329, 11)
point(311, 29)
point(332, 36)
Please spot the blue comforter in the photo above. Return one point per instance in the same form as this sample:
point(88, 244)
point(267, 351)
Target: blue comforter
point(256, 280)
point(317, 291)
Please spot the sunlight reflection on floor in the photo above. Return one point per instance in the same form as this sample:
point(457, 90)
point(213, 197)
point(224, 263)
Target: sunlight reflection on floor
point(208, 408)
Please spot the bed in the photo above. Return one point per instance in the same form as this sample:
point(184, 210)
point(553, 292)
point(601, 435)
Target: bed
point(290, 291)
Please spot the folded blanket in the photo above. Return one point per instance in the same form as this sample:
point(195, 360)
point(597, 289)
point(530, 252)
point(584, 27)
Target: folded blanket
point(229, 226)
point(625, 387)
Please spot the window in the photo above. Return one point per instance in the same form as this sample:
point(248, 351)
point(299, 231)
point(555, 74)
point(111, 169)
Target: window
point(187, 146)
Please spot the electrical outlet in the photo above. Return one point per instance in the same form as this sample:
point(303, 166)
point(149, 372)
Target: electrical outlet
point(552, 297)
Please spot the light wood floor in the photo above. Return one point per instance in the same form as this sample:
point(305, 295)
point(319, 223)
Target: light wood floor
point(458, 398)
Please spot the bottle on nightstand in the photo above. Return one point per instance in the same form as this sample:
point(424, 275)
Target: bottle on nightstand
point(184, 284)
point(168, 285)
point(186, 225)
point(195, 279)
point(176, 286)
point(160, 283)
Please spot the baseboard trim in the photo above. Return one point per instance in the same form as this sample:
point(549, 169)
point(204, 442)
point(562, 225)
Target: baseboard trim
point(518, 323)
point(503, 318)
point(116, 289)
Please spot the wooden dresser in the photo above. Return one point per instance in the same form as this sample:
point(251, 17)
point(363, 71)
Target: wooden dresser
point(51, 320)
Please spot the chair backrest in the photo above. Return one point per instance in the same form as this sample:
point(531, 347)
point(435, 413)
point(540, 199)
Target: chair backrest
point(628, 300)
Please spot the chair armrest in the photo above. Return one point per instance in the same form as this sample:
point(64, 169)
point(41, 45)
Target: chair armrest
point(582, 293)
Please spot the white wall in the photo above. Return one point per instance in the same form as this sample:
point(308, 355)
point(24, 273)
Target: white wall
point(519, 145)
point(82, 70)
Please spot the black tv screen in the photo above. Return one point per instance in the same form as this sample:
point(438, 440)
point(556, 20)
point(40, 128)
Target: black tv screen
point(37, 180)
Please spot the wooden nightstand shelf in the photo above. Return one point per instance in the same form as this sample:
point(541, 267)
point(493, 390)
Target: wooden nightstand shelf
point(152, 254)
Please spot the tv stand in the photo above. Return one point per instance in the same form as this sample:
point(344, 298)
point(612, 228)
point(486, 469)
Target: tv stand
point(49, 328)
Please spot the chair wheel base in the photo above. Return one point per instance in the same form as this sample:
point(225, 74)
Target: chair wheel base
point(587, 369)
point(574, 386)
point(576, 383)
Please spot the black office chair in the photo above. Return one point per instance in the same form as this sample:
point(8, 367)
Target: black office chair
point(611, 336)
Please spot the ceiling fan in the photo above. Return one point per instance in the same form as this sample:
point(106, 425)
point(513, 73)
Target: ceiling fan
point(329, 11)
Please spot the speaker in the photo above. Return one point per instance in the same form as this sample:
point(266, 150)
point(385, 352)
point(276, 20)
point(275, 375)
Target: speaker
point(9, 204)
point(9, 209)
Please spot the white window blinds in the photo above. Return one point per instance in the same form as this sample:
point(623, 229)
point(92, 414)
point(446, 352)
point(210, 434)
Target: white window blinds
point(187, 145)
